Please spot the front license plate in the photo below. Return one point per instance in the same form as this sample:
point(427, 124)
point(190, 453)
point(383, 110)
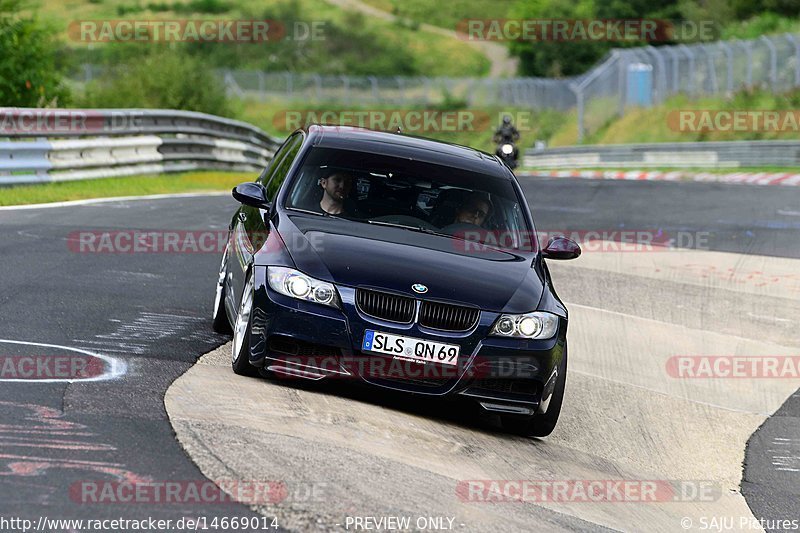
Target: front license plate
point(410, 348)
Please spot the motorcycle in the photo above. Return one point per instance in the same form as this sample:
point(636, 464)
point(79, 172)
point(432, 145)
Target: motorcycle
point(508, 153)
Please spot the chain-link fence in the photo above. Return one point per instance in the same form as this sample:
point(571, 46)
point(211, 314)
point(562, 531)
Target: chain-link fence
point(646, 76)
point(537, 93)
point(628, 77)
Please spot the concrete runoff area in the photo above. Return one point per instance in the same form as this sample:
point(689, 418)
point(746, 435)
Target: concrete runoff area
point(626, 416)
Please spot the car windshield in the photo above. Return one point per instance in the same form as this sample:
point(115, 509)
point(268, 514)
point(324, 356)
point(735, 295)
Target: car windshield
point(418, 196)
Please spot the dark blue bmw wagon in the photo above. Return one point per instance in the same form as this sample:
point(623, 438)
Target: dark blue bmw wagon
point(399, 262)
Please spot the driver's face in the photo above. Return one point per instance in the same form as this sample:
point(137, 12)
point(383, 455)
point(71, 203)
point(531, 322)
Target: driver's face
point(337, 186)
point(475, 212)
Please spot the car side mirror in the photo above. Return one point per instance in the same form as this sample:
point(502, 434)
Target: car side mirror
point(561, 248)
point(252, 194)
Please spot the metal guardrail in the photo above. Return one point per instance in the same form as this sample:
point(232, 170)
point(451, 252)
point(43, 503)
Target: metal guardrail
point(726, 154)
point(43, 145)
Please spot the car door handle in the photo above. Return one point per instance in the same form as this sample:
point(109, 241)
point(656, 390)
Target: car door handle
point(242, 216)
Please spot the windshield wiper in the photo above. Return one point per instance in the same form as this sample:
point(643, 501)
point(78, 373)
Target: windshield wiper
point(421, 229)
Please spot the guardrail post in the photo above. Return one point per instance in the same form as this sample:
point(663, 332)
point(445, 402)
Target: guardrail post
point(346, 88)
point(675, 67)
point(580, 106)
point(373, 82)
point(773, 62)
point(427, 81)
point(622, 87)
point(728, 66)
point(260, 84)
point(712, 69)
point(318, 85)
point(401, 85)
point(793, 41)
point(662, 75)
point(691, 74)
point(748, 49)
point(289, 85)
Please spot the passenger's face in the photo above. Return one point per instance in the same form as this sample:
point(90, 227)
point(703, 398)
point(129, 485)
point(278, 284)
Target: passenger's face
point(475, 212)
point(337, 186)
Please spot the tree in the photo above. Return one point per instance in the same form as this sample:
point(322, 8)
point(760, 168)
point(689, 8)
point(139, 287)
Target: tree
point(29, 76)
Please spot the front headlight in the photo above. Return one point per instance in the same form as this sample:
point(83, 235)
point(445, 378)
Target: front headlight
point(295, 284)
point(535, 325)
point(507, 149)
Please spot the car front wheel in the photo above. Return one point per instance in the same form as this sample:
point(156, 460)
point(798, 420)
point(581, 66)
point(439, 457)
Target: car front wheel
point(220, 323)
point(541, 425)
point(241, 333)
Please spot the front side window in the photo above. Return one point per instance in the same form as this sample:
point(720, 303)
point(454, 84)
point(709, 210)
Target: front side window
point(276, 171)
point(376, 189)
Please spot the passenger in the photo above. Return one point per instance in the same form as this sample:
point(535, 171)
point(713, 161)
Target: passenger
point(475, 209)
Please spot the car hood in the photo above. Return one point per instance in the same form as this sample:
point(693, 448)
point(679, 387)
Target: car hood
point(361, 255)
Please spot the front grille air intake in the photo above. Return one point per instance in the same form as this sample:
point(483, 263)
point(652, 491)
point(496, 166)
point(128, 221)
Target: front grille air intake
point(448, 317)
point(385, 306)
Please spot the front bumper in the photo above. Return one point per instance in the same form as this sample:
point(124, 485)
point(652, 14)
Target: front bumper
point(304, 340)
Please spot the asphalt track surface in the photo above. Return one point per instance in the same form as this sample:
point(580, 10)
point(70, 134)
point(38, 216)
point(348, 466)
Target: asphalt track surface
point(151, 313)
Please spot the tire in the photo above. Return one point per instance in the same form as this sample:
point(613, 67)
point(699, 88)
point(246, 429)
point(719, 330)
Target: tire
point(541, 425)
point(240, 356)
point(220, 322)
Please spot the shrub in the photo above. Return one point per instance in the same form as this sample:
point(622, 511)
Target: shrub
point(162, 79)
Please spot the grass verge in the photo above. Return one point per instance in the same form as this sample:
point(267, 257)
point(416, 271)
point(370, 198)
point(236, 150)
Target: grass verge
point(127, 186)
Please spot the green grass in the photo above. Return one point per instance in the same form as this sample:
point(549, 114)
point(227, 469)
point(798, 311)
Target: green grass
point(431, 54)
point(127, 186)
point(269, 116)
point(653, 124)
point(444, 14)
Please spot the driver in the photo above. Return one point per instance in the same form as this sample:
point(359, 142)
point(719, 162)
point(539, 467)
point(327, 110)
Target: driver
point(474, 210)
point(335, 190)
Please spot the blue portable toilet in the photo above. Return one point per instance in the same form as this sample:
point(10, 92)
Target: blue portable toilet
point(640, 85)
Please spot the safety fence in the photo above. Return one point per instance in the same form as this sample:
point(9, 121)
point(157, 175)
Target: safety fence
point(625, 78)
point(44, 145)
point(726, 154)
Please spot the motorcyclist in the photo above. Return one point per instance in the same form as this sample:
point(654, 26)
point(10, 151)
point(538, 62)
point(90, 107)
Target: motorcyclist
point(507, 134)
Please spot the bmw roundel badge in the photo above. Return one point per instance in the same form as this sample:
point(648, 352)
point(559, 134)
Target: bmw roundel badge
point(419, 288)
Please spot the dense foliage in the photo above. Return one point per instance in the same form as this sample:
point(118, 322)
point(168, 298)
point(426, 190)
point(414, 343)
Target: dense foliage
point(732, 18)
point(28, 73)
